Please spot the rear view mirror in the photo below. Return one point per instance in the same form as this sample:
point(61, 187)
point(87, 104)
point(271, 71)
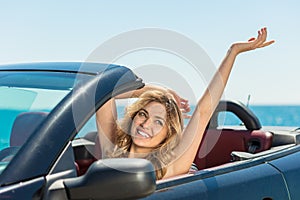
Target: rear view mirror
point(121, 178)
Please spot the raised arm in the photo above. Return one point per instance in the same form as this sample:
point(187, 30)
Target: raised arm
point(193, 133)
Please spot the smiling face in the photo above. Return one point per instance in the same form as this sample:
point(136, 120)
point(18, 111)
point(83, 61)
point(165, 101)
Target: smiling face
point(149, 127)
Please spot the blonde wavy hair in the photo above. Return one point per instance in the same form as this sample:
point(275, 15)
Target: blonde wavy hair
point(163, 154)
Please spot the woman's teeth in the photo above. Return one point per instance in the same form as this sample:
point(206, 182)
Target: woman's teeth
point(143, 134)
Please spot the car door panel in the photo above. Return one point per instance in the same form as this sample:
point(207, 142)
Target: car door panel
point(257, 182)
point(30, 189)
point(290, 168)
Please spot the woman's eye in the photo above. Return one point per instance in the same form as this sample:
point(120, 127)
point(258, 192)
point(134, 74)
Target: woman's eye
point(142, 114)
point(159, 122)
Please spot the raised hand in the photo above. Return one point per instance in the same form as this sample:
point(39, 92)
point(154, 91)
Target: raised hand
point(182, 103)
point(252, 43)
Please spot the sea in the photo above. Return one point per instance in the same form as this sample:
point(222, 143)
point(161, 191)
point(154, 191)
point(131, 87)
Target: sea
point(276, 115)
point(269, 115)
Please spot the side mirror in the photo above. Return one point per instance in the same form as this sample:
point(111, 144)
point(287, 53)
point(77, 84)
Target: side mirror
point(122, 178)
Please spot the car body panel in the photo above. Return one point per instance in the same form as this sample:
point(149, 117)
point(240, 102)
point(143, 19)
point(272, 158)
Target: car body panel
point(255, 182)
point(289, 167)
point(24, 190)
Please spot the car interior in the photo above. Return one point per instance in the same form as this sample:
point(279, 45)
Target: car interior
point(218, 147)
point(23, 126)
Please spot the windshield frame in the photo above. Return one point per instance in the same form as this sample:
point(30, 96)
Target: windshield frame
point(30, 91)
point(50, 139)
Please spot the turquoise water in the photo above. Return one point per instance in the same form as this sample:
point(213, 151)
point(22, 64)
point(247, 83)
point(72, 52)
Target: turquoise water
point(277, 115)
point(268, 116)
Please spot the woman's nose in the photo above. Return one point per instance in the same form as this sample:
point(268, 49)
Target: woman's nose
point(146, 123)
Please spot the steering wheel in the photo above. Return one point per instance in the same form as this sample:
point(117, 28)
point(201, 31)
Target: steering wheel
point(248, 118)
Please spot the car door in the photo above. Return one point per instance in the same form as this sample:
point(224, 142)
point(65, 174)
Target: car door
point(250, 180)
point(289, 166)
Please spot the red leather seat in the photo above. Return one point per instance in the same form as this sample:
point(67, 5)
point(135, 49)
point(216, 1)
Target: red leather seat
point(86, 153)
point(217, 145)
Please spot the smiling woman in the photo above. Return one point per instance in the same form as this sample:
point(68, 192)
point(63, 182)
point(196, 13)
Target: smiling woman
point(149, 124)
point(153, 125)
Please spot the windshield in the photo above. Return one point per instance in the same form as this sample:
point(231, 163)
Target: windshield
point(28, 93)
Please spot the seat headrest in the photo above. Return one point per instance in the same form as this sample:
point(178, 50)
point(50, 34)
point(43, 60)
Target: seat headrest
point(24, 125)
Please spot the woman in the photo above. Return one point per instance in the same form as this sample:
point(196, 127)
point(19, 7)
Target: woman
point(152, 127)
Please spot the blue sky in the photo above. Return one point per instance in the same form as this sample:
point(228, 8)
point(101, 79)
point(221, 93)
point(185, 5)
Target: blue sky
point(71, 30)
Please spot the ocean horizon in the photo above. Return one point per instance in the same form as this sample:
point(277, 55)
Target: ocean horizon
point(268, 115)
point(271, 115)
point(277, 115)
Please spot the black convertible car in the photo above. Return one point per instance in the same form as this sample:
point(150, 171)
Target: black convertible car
point(49, 144)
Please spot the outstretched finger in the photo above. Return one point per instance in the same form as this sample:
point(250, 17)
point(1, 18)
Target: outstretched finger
point(267, 43)
point(264, 33)
point(256, 42)
point(262, 36)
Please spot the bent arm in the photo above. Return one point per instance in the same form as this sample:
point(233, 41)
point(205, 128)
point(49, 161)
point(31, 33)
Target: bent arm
point(106, 119)
point(106, 116)
point(193, 134)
